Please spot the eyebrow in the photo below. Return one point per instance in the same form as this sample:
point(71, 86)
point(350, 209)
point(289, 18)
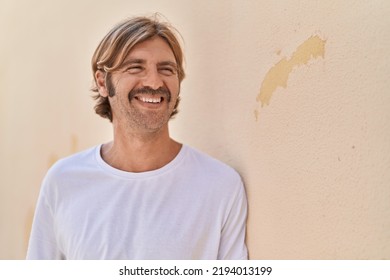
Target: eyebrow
point(143, 61)
point(133, 61)
point(169, 63)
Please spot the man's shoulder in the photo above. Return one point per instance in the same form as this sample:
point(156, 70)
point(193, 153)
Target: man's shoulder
point(211, 165)
point(77, 161)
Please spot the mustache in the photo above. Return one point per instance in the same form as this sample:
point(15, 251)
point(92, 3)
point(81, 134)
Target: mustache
point(147, 90)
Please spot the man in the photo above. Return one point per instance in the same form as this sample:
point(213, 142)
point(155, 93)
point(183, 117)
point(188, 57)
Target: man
point(143, 195)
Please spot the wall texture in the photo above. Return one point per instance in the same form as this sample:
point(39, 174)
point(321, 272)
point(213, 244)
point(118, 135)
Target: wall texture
point(293, 94)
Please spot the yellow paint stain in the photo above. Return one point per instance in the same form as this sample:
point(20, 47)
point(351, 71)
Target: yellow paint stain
point(52, 159)
point(278, 75)
point(74, 144)
point(3, 90)
point(74, 147)
point(256, 112)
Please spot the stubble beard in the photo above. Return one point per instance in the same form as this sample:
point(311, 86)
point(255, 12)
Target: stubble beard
point(150, 121)
point(135, 119)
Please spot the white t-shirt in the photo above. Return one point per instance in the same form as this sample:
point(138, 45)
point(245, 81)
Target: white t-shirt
point(192, 208)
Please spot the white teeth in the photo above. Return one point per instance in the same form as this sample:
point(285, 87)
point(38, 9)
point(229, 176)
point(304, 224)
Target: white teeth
point(150, 100)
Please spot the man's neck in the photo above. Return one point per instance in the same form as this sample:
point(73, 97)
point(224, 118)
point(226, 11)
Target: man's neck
point(140, 152)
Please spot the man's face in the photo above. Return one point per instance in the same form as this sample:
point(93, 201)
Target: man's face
point(145, 89)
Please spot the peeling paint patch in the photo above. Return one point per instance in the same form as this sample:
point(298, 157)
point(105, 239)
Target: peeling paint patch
point(277, 76)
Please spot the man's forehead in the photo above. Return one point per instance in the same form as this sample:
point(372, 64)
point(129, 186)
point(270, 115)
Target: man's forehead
point(155, 43)
point(155, 50)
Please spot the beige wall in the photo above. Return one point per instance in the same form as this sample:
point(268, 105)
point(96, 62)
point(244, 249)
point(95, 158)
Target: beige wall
point(293, 94)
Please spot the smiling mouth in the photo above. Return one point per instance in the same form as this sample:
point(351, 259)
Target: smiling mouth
point(153, 100)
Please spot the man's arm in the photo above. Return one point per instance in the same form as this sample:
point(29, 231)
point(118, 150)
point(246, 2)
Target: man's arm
point(43, 243)
point(232, 245)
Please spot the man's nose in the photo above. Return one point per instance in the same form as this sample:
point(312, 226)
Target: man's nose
point(152, 79)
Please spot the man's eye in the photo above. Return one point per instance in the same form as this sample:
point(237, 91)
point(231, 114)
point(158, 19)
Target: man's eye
point(168, 71)
point(134, 69)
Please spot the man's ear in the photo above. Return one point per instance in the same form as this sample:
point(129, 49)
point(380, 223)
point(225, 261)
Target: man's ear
point(100, 78)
